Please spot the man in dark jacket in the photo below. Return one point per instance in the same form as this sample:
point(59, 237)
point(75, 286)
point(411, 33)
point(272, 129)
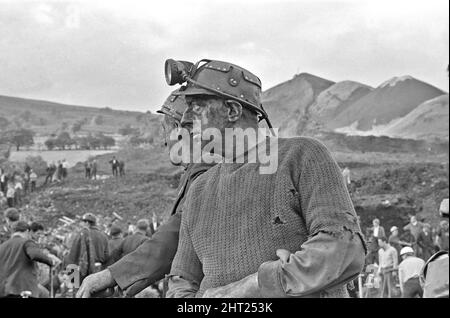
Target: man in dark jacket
point(89, 248)
point(12, 216)
point(151, 261)
point(131, 242)
point(425, 242)
point(116, 238)
point(17, 263)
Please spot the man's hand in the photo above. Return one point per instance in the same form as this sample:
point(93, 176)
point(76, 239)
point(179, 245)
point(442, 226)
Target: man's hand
point(95, 283)
point(244, 288)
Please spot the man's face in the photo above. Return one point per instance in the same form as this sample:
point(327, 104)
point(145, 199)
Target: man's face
point(208, 110)
point(376, 223)
point(413, 219)
point(395, 232)
point(381, 243)
point(37, 235)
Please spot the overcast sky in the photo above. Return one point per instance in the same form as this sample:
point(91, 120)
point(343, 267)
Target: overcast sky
point(112, 53)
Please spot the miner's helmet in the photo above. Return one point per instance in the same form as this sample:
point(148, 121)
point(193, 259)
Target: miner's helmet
point(89, 217)
point(174, 106)
point(217, 78)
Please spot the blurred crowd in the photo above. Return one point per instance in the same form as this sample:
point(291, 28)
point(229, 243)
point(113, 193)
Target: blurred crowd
point(50, 257)
point(396, 258)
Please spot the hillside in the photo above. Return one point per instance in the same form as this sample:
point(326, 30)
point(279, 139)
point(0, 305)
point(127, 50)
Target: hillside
point(391, 100)
point(333, 101)
point(46, 118)
point(286, 102)
point(429, 120)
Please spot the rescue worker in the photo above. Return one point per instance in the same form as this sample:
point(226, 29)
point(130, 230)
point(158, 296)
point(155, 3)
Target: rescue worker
point(116, 238)
point(17, 263)
point(292, 232)
point(434, 275)
point(388, 258)
point(425, 242)
point(131, 242)
point(114, 166)
point(12, 216)
point(151, 261)
point(89, 248)
point(408, 273)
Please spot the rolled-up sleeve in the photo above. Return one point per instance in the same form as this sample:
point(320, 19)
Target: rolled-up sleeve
point(323, 262)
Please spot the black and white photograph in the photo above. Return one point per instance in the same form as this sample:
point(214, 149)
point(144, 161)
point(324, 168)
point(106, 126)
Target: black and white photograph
point(243, 151)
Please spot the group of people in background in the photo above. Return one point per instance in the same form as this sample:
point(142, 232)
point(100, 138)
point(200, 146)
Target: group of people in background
point(401, 257)
point(57, 172)
point(90, 169)
point(15, 183)
point(117, 166)
point(90, 244)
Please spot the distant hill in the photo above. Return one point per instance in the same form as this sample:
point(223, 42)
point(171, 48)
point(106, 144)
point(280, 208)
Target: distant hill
point(427, 121)
point(401, 108)
point(46, 118)
point(391, 100)
point(286, 102)
point(333, 101)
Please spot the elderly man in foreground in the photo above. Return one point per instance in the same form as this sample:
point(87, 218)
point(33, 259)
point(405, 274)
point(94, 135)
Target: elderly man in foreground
point(286, 232)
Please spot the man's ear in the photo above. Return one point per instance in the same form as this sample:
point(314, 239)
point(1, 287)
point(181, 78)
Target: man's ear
point(234, 110)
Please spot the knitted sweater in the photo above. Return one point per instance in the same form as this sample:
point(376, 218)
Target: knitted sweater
point(235, 219)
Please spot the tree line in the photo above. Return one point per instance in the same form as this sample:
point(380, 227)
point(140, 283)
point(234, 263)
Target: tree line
point(22, 137)
point(64, 141)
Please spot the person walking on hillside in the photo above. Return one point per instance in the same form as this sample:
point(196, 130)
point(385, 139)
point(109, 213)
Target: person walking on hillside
point(50, 171)
point(114, 166)
point(65, 169)
point(121, 168)
point(33, 180)
point(3, 181)
point(18, 189)
point(94, 169)
point(87, 169)
point(10, 195)
point(409, 272)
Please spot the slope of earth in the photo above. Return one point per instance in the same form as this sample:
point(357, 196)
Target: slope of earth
point(429, 120)
point(46, 118)
point(286, 102)
point(391, 100)
point(149, 187)
point(332, 101)
point(394, 192)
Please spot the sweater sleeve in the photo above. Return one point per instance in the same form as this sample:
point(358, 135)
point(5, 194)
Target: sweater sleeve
point(335, 251)
point(186, 273)
point(36, 254)
point(151, 260)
